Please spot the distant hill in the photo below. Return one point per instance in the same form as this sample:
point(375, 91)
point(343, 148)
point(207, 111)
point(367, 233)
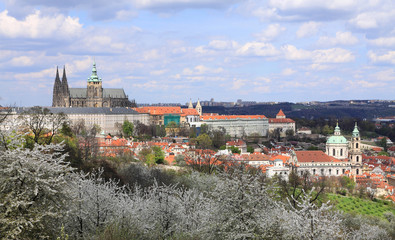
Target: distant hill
point(324, 110)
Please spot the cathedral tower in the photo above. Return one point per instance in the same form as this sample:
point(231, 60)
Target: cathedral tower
point(95, 89)
point(57, 91)
point(65, 89)
point(355, 152)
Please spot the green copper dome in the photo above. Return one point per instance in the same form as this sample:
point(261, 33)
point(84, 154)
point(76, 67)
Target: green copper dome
point(94, 77)
point(355, 132)
point(337, 140)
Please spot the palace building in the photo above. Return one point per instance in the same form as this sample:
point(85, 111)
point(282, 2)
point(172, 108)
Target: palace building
point(92, 96)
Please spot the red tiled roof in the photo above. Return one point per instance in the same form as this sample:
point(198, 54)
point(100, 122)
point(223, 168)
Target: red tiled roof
point(281, 120)
point(280, 113)
point(238, 142)
point(159, 110)
point(189, 112)
point(228, 117)
point(314, 156)
point(281, 157)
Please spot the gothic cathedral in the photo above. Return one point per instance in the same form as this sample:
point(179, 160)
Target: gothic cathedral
point(92, 96)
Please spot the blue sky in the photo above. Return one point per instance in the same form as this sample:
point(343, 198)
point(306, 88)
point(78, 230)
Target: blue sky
point(174, 50)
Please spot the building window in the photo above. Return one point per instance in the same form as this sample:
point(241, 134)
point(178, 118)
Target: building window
point(344, 171)
point(357, 171)
point(356, 145)
point(357, 158)
point(341, 152)
point(322, 171)
point(333, 152)
point(337, 171)
point(330, 171)
point(313, 171)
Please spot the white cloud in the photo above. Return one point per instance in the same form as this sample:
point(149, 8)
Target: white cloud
point(319, 67)
point(150, 55)
point(151, 86)
point(341, 38)
point(238, 83)
point(374, 19)
point(37, 26)
point(177, 4)
point(201, 70)
point(287, 5)
point(333, 55)
point(159, 72)
point(124, 15)
point(307, 29)
point(387, 75)
point(22, 61)
point(43, 74)
point(223, 45)
point(260, 49)
point(271, 32)
point(292, 53)
point(383, 41)
point(288, 72)
point(389, 57)
point(114, 82)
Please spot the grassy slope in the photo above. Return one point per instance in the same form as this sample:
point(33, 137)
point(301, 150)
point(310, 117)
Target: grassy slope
point(362, 206)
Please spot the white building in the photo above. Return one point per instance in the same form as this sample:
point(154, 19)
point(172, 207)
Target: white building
point(278, 169)
point(319, 163)
point(238, 125)
point(282, 123)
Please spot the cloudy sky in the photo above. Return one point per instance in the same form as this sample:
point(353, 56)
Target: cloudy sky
point(174, 50)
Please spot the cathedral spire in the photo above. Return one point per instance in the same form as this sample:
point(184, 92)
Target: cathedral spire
point(57, 79)
point(94, 77)
point(57, 89)
point(65, 84)
point(190, 104)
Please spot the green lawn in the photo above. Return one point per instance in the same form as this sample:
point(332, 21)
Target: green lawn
point(361, 206)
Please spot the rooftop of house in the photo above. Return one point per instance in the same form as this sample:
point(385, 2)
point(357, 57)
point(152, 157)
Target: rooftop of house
point(315, 156)
point(281, 120)
point(159, 110)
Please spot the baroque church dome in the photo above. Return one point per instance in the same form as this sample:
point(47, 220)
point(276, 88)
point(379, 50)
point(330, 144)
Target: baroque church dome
point(337, 138)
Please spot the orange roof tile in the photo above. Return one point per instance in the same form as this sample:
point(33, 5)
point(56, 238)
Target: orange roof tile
point(281, 120)
point(314, 156)
point(280, 113)
point(159, 110)
point(189, 112)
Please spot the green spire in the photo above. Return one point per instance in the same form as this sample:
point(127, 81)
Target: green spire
point(94, 77)
point(337, 129)
point(355, 132)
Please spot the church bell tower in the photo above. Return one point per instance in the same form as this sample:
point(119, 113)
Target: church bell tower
point(355, 152)
point(94, 90)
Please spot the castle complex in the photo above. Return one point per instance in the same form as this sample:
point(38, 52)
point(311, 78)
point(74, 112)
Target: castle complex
point(92, 96)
